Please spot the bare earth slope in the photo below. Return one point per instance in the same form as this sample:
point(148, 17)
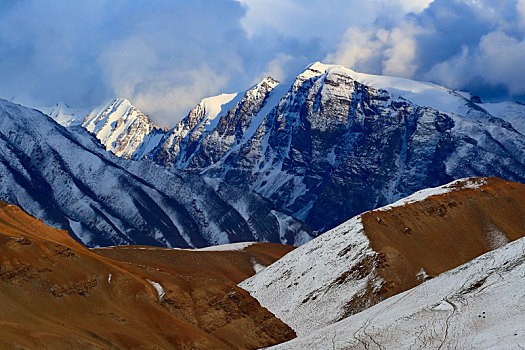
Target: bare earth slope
point(389, 250)
point(57, 294)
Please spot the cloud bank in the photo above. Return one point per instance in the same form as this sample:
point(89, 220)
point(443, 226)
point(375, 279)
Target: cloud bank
point(165, 55)
point(470, 45)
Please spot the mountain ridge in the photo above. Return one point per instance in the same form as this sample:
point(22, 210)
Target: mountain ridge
point(58, 294)
point(478, 304)
point(67, 178)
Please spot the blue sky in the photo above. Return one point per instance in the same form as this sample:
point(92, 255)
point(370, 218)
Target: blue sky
point(165, 55)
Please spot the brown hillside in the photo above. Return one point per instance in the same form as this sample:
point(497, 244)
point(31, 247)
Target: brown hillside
point(57, 294)
point(423, 239)
point(234, 265)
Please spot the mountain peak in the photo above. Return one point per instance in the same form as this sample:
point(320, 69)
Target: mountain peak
point(122, 101)
point(121, 127)
point(269, 81)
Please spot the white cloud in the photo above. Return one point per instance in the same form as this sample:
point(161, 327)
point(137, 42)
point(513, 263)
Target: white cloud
point(498, 60)
point(520, 7)
point(358, 50)
point(324, 19)
point(401, 50)
point(475, 45)
point(164, 87)
point(163, 98)
point(414, 5)
point(275, 68)
point(166, 55)
point(390, 52)
point(279, 14)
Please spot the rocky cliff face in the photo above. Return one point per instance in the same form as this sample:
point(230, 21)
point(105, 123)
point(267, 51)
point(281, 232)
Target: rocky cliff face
point(66, 178)
point(213, 128)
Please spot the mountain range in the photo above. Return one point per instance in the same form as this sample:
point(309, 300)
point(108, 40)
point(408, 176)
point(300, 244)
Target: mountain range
point(329, 145)
point(67, 179)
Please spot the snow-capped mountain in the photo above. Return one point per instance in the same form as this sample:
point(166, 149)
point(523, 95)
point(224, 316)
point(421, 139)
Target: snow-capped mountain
point(336, 143)
point(123, 129)
point(215, 127)
point(386, 251)
point(66, 178)
point(118, 125)
point(478, 305)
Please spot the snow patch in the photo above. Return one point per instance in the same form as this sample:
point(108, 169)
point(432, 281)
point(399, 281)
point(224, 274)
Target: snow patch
point(225, 247)
point(256, 266)
point(76, 227)
point(422, 275)
point(495, 237)
point(159, 289)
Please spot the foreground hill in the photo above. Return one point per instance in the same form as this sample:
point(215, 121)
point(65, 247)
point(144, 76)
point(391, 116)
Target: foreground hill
point(57, 294)
point(479, 305)
point(67, 179)
point(389, 250)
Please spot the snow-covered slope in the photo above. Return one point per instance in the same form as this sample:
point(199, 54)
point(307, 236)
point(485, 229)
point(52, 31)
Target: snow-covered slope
point(512, 112)
point(290, 288)
point(389, 250)
point(66, 178)
point(65, 115)
point(479, 305)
